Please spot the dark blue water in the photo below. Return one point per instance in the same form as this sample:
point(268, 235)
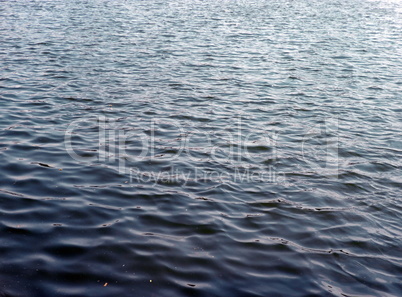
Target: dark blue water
point(203, 148)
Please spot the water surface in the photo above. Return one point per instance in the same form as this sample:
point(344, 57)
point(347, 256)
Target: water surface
point(203, 148)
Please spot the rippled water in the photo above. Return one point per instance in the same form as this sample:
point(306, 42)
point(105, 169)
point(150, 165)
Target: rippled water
point(203, 148)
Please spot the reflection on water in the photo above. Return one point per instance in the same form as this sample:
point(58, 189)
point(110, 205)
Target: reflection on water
point(176, 148)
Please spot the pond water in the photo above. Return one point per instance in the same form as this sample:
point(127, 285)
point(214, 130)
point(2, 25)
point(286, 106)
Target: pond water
point(200, 148)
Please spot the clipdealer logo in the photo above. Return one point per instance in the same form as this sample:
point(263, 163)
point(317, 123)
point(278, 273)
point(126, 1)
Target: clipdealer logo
point(106, 140)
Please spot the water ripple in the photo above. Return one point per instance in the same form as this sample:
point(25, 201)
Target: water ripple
point(177, 148)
